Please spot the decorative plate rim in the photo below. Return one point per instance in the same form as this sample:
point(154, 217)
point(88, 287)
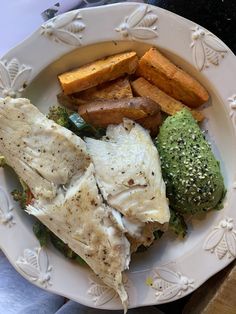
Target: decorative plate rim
point(142, 23)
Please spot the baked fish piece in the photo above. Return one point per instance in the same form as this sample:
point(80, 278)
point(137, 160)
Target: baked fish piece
point(55, 165)
point(43, 154)
point(80, 218)
point(128, 172)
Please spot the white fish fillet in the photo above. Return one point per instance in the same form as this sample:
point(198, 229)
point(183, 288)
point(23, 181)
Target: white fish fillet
point(57, 168)
point(44, 154)
point(128, 173)
point(79, 217)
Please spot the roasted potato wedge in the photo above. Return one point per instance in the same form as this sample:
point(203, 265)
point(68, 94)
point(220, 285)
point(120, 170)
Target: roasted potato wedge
point(160, 71)
point(103, 113)
point(116, 89)
point(68, 101)
point(98, 72)
point(169, 105)
point(151, 123)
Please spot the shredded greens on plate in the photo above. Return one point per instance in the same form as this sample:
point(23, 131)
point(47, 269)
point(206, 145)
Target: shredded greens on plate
point(43, 234)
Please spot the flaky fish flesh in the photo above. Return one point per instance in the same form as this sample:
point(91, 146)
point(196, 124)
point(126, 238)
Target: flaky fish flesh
point(54, 163)
point(128, 172)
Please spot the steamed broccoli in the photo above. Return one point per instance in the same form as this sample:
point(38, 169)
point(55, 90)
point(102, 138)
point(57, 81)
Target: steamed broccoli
point(60, 115)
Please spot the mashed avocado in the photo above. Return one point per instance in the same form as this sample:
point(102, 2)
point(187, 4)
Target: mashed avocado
point(192, 174)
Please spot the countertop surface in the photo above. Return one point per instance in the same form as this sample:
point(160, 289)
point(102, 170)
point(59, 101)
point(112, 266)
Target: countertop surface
point(218, 16)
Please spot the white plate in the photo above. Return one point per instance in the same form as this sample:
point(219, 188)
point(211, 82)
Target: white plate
point(171, 268)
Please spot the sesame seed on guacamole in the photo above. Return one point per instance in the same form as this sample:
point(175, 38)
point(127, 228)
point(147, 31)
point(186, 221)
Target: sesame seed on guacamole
point(193, 178)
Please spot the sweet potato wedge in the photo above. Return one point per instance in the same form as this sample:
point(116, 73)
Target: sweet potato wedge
point(169, 105)
point(98, 72)
point(116, 89)
point(160, 71)
point(102, 113)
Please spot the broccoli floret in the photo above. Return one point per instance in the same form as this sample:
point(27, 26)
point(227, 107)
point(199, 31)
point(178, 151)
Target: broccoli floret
point(2, 161)
point(60, 115)
point(177, 224)
point(72, 121)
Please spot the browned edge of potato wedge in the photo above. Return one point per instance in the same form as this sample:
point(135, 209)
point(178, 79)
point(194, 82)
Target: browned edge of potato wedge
point(151, 123)
point(98, 72)
point(105, 112)
point(169, 105)
point(67, 101)
point(177, 83)
point(116, 89)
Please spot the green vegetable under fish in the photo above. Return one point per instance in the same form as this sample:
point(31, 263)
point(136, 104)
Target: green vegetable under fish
point(44, 235)
point(60, 115)
point(74, 122)
point(193, 178)
point(23, 196)
point(177, 224)
point(82, 128)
